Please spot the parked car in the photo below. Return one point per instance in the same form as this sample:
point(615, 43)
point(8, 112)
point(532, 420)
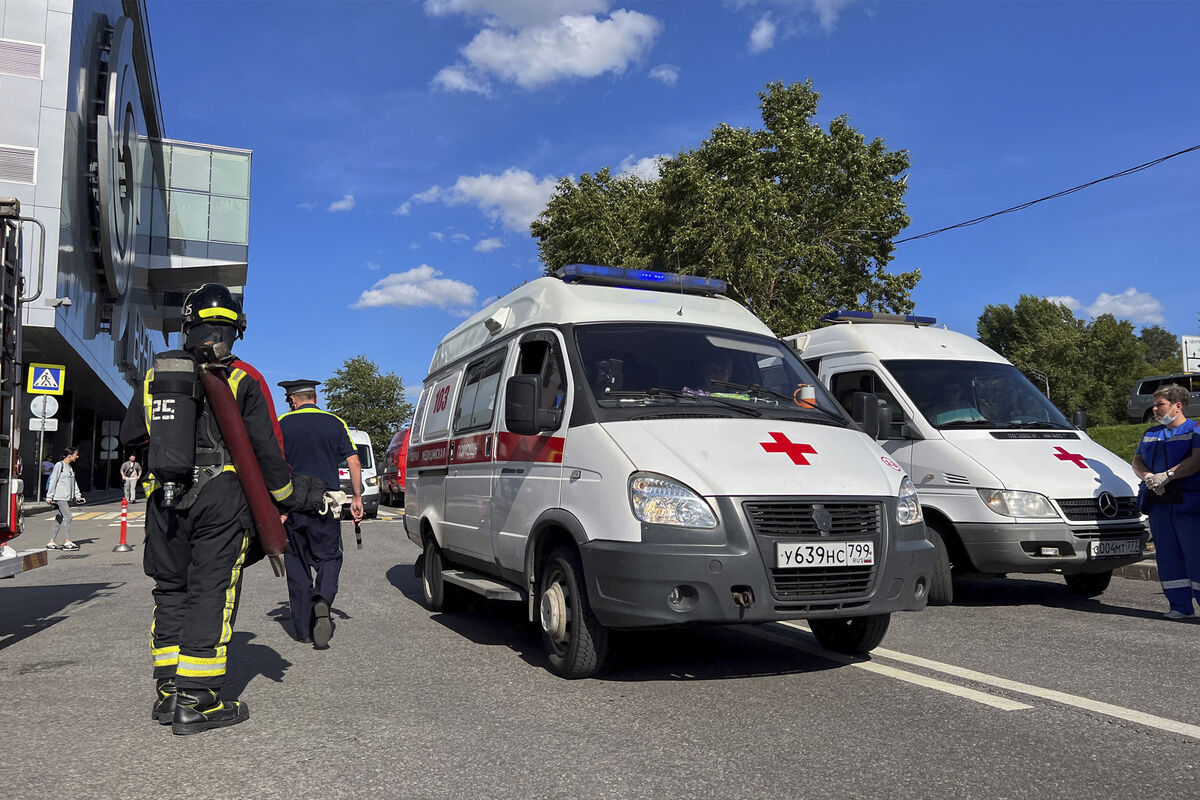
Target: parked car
point(1141, 399)
point(391, 476)
point(370, 480)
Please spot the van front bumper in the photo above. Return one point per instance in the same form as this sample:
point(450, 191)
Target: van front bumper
point(1019, 547)
point(681, 577)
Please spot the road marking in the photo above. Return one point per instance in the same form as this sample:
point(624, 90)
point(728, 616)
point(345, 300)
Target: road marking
point(1001, 703)
point(1095, 706)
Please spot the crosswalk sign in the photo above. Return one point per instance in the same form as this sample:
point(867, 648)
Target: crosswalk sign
point(46, 379)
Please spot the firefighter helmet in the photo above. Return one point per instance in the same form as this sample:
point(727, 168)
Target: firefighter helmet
point(213, 303)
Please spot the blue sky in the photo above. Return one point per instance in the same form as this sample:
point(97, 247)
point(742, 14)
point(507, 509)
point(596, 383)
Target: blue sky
point(401, 148)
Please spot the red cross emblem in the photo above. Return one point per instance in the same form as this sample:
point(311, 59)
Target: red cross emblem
point(1063, 455)
point(794, 450)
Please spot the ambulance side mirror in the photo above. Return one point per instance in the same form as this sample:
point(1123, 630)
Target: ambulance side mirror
point(521, 411)
point(866, 414)
point(1079, 419)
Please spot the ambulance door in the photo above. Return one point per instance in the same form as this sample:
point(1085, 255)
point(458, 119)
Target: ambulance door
point(529, 469)
point(427, 463)
point(469, 477)
point(848, 379)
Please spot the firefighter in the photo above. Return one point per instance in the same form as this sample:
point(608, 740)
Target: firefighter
point(198, 522)
point(315, 441)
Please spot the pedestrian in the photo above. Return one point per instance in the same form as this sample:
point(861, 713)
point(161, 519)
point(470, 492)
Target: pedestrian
point(131, 472)
point(1167, 460)
point(60, 491)
point(314, 442)
point(198, 526)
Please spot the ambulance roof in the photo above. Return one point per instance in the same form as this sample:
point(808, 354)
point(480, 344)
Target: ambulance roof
point(893, 341)
point(552, 301)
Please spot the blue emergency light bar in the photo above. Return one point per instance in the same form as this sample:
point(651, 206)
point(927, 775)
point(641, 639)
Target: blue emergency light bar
point(846, 315)
point(640, 279)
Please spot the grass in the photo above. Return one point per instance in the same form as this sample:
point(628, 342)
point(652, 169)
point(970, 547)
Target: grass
point(1121, 439)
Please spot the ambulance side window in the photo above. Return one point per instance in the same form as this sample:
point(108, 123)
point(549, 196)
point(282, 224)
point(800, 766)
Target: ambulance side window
point(843, 385)
point(540, 356)
point(477, 402)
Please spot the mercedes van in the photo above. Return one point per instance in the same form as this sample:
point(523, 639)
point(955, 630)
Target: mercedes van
point(622, 449)
point(1007, 484)
point(370, 478)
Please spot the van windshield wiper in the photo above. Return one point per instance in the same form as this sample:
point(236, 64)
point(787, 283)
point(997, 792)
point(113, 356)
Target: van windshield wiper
point(655, 392)
point(970, 423)
point(755, 390)
point(1042, 426)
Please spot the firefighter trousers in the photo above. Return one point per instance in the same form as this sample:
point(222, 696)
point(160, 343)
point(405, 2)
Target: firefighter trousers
point(1176, 530)
point(314, 545)
point(196, 558)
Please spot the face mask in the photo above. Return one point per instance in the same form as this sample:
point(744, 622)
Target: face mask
point(1166, 419)
point(197, 335)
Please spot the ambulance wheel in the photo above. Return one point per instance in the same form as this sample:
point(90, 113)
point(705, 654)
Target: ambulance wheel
point(433, 588)
point(851, 635)
point(1088, 584)
point(941, 583)
point(575, 642)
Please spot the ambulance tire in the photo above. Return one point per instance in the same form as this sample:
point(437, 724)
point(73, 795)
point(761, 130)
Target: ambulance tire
point(851, 635)
point(1088, 584)
point(436, 595)
point(575, 641)
point(941, 583)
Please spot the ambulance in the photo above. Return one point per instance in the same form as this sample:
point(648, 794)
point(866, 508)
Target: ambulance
point(1007, 484)
point(622, 449)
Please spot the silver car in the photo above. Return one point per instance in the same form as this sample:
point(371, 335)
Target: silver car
point(1141, 399)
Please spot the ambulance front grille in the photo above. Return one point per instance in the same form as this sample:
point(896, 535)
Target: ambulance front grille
point(790, 584)
point(1087, 509)
point(799, 518)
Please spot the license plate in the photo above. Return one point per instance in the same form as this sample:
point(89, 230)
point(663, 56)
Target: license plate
point(1109, 548)
point(824, 554)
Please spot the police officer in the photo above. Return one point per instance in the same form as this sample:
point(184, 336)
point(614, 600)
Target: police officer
point(198, 529)
point(1167, 461)
point(315, 441)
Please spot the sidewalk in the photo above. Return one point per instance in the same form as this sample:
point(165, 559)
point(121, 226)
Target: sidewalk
point(34, 507)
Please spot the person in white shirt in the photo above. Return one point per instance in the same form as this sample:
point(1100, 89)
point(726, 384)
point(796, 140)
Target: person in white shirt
point(131, 471)
point(61, 490)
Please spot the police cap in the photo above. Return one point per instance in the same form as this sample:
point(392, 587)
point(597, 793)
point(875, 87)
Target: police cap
point(292, 387)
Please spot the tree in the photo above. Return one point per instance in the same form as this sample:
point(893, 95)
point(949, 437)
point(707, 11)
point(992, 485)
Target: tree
point(1162, 350)
point(798, 220)
point(367, 400)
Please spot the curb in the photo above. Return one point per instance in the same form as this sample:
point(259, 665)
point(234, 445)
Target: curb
point(1144, 570)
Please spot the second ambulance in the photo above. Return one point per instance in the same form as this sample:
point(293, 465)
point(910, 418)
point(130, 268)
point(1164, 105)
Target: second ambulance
point(626, 449)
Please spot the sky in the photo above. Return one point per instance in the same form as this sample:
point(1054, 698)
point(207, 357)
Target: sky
point(400, 149)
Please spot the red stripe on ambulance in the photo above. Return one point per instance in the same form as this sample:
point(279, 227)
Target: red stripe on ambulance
point(542, 449)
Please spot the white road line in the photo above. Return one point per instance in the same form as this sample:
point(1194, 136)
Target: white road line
point(1001, 703)
point(1095, 706)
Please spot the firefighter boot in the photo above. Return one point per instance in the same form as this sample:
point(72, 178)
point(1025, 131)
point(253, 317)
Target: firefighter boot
point(199, 710)
point(164, 705)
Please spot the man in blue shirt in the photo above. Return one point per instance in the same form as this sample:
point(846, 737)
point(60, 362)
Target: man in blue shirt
point(1167, 461)
point(314, 442)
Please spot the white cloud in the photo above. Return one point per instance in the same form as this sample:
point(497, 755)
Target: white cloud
point(515, 13)
point(645, 168)
point(762, 36)
point(417, 288)
point(460, 237)
point(1137, 307)
point(1066, 300)
point(372, 265)
point(570, 46)
point(668, 74)
point(441, 237)
point(827, 12)
point(516, 197)
point(345, 204)
point(403, 210)
point(309, 206)
point(488, 245)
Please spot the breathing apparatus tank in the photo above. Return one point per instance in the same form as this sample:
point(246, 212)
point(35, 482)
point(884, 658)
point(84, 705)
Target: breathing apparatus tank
point(175, 403)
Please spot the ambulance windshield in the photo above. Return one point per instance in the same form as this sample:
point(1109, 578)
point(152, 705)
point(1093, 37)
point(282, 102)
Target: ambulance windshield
point(697, 371)
point(975, 394)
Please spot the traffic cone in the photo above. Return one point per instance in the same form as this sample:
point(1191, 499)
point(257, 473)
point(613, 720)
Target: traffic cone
point(123, 547)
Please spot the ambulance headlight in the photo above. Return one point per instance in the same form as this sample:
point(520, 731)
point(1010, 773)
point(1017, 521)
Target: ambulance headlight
point(908, 507)
point(662, 501)
point(372, 481)
point(1017, 504)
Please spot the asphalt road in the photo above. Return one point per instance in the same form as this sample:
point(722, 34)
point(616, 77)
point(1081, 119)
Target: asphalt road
point(1018, 690)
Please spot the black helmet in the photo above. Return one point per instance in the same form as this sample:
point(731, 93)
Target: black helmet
point(214, 304)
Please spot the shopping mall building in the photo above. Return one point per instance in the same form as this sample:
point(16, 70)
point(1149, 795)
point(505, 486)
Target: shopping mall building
point(134, 220)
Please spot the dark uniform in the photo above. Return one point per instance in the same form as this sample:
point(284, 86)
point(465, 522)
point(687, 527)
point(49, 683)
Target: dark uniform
point(315, 441)
point(196, 548)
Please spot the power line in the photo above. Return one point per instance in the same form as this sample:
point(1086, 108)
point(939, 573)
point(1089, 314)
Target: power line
point(1063, 193)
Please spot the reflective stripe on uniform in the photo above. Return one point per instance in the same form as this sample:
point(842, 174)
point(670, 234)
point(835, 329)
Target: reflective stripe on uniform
point(223, 313)
point(1182, 583)
point(234, 378)
point(164, 656)
point(282, 494)
point(147, 399)
point(195, 667)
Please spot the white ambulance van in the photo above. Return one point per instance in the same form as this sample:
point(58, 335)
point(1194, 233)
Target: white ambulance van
point(628, 449)
point(1006, 483)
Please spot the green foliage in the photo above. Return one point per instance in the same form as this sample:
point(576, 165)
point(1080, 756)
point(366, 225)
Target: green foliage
point(1163, 354)
point(1088, 365)
point(1120, 439)
point(367, 400)
point(798, 220)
